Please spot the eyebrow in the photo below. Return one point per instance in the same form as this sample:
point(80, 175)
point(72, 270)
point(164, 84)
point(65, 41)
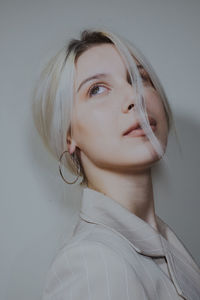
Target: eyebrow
point(99, 76)
point(96, 76)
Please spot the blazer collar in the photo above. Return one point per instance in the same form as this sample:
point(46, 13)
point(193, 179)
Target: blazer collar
point(98, 208)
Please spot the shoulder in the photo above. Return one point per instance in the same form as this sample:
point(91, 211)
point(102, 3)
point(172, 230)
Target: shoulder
point(89, 269)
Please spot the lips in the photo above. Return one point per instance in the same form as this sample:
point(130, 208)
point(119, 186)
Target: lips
point(137, 126)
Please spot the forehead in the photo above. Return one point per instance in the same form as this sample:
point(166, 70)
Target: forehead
point(104, 58)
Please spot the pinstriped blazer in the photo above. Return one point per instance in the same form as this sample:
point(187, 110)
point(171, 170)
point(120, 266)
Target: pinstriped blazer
point(115, 255)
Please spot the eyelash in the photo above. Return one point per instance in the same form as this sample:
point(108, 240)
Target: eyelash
point(93, 87)
point(144, 75)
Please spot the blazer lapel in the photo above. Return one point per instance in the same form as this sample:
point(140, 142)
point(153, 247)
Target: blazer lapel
point(186, 278)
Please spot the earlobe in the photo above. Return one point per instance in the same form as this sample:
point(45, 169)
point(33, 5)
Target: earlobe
point(71, 145)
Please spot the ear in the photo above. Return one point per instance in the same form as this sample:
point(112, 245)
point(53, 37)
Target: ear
point(71, 144)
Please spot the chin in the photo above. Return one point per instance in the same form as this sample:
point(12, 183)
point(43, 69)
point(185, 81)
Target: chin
point(144, 158)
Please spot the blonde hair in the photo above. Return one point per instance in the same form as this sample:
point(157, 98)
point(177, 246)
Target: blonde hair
point(53, 93)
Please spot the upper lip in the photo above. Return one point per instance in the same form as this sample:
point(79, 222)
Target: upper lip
point(136, 125)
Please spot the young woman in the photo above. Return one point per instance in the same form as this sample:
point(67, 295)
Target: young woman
point(103, 113)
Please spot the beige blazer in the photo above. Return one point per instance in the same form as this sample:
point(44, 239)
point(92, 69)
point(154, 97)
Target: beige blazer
point(115, 255)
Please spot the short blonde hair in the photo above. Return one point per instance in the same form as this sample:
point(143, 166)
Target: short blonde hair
point(53, 93)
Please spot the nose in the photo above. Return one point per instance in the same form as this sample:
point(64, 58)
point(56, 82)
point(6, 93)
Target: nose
point(128, 99)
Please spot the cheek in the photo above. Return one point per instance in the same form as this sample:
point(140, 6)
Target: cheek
point(155, 107)
point(91, 125)
point(155, 104)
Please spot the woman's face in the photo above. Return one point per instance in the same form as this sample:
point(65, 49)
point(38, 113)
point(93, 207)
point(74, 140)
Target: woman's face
point(101, 113)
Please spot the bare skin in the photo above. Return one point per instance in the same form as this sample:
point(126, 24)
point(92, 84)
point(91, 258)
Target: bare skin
point(115, 165)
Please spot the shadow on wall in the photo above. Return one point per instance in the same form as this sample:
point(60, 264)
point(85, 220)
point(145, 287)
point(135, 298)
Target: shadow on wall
point(178, 201)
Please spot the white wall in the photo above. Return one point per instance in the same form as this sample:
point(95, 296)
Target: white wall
point(38, 211)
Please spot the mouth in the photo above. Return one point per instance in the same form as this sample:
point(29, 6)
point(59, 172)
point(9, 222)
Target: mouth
point(139, 132)
point(135, 130)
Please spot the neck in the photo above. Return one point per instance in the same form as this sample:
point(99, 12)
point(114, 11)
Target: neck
point(132, 191)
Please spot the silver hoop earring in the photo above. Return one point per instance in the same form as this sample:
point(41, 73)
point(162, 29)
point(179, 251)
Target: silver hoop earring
point(60, 170)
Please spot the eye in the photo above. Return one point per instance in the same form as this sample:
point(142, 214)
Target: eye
point(128, 78)
point(93, 90)
point(144, 75)
point(146, 78)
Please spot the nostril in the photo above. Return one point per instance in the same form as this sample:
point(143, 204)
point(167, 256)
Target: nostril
point(130, 106)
